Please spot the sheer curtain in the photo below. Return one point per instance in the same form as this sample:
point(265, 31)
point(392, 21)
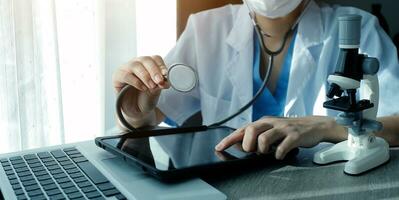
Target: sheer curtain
point(30, 88)
point(56, 62)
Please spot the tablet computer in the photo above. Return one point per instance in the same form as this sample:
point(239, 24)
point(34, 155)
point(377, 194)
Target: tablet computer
point(174, 153)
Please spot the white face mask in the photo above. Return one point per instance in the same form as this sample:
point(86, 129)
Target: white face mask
point(273, 8)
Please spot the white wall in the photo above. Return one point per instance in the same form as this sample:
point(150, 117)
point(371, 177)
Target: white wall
point(156, 26)
point(151, 30)
point(120, 47)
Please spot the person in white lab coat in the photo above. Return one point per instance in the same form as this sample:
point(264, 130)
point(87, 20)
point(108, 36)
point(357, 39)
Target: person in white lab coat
point(221, 46)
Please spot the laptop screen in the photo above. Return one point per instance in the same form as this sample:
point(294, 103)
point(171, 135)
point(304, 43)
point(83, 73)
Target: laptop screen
point(178, 151)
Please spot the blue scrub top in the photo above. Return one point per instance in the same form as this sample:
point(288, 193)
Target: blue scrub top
point(269, 104)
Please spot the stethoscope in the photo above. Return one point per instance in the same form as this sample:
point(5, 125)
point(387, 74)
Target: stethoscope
point(184, 78)
point(181, 77)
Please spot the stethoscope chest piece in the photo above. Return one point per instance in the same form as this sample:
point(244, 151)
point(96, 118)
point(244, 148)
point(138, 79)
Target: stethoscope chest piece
point(182, 78)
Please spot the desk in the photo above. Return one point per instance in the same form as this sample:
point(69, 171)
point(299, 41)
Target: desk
point(301, 179)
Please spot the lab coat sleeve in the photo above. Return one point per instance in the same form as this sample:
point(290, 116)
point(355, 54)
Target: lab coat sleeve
point(376, 43)
point(175, 105)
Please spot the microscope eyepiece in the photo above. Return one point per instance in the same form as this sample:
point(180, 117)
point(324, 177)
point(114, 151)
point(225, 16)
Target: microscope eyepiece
point(349, 31)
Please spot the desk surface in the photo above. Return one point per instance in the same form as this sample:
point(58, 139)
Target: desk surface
point(301, 179)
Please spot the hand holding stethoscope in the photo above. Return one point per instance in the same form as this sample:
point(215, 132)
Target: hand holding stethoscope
point(140, 82)
point(184, 78)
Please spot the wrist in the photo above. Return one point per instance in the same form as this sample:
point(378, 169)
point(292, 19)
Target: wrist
point(334, 132)
point(147, 119)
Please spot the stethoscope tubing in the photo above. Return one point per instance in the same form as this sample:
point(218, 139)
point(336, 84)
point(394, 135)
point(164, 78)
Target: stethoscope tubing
point(269, 52)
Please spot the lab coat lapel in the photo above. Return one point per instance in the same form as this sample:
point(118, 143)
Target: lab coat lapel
point(239, 67)
point(308, 39)
point(304, 60)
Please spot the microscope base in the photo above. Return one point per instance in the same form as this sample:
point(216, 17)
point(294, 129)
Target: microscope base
point(360, 158)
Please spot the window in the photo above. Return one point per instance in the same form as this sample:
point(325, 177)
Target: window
point(57, 61)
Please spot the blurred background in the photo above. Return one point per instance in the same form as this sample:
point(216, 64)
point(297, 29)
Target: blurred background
point(57, 58)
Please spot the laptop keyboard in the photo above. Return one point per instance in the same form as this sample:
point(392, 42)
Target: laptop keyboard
point(59, 174)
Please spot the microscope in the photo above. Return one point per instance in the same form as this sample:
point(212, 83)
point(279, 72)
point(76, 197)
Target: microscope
point(363, 150)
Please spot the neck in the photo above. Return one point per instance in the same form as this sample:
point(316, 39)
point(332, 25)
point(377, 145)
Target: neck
point(277, 28)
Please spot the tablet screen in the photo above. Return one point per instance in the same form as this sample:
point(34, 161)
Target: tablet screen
point(179, 151)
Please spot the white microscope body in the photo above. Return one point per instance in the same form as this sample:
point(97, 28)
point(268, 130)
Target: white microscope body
point(363, 150)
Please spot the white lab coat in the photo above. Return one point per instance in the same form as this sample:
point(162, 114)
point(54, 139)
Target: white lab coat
point(219, 44)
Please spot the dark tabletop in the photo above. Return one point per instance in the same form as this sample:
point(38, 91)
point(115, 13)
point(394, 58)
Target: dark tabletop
point(299, 178)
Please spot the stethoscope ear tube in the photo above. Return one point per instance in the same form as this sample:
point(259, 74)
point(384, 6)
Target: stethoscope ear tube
point(188, 72)
point(269, 69)
point(241, 110)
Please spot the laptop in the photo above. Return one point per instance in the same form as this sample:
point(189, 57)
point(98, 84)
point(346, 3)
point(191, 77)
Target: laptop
point(84, 171)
